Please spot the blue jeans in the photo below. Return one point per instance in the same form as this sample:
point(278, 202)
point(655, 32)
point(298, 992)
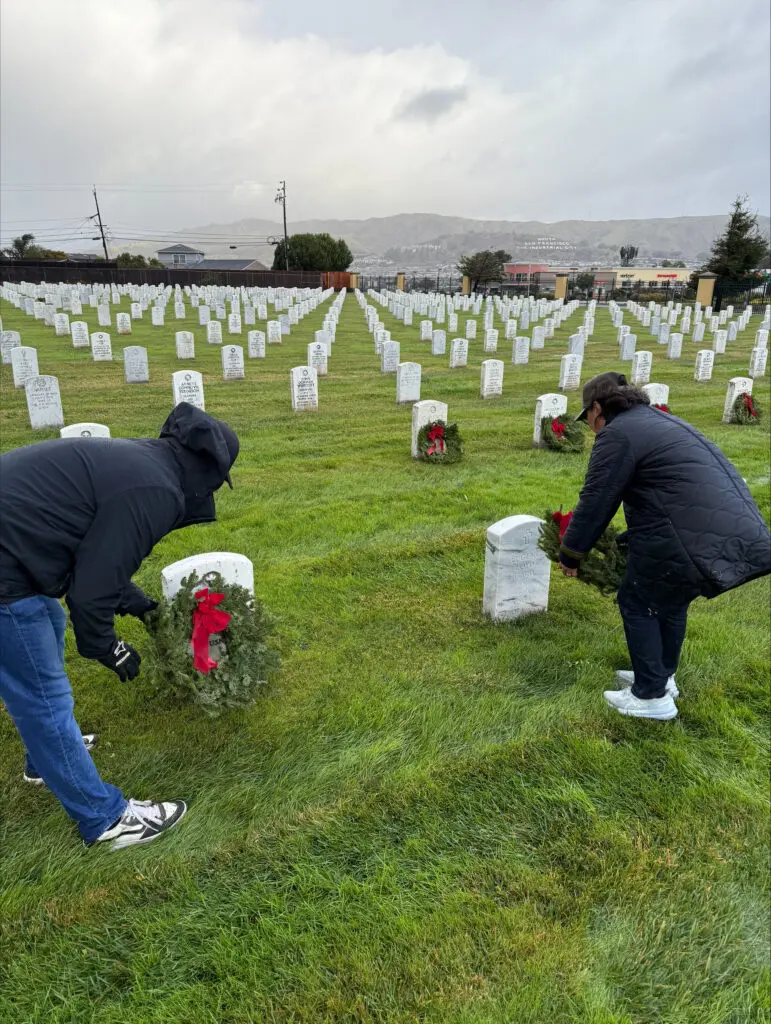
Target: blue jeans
point(35, 689)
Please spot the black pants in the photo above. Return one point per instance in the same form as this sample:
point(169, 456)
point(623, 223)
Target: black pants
point(654, 638)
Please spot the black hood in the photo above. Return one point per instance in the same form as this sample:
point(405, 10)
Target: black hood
point(206, 449)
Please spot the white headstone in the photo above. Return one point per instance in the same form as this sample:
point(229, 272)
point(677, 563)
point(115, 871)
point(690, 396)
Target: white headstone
point(187, 386)
point(491, 382)
point(426, 330)
point(79, 332)
point(256, 344)
point(204, 315)
point(761, 338)
point(628, 343)
point(576, 344)
point(234, 323)
point(232, 362)
point(471, 329)
point(491, 340)
point(103, 315)
point(389, 358)
point(136, 310)
point(235, 570)
point(305, 388)
point(325, 338)
point(705, 359)
point(516, 570)
point(719, 341)
point(658, 393)
point(317, 357)
point(520, 354)
point(9, 340)
point(570, 372)
point(551, 405)
point(698, 331)
point(85, 430)
point(438, 343)
point(675, 346)
point(44, 403)
point(62, 325)
point(185, 341)
point(157, 316)
point(179, 311)
point(274, 332)
point(458, 353)
point(123, 323)
point(424, 412)
point(408, 377)
point(24, 363)
point(135, 364)
point(758, 358)
point(214, 332)
point(641, 367)
point(736, 386)
point(101, 347)
point(538, 339)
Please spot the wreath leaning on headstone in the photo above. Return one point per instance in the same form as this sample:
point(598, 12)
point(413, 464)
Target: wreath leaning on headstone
point(206, 618)
point(745, 411)
point(562, 434)
point(438, 442)
point(605, 565)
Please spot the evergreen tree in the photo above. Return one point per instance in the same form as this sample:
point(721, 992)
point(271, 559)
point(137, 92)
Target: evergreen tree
point(741, 248)
point(483, 267)
point(314, 252)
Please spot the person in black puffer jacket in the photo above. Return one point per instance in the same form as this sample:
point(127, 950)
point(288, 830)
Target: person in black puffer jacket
point(693, 530)
point(77, 517)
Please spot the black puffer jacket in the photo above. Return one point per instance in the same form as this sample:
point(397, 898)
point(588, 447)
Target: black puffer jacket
point(77, 517)
point(693, 527)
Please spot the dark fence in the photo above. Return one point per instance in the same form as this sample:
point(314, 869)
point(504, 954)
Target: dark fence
point(446, 283)
point(108, 272)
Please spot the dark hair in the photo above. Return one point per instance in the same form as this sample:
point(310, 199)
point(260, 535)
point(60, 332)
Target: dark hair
point(616, 398)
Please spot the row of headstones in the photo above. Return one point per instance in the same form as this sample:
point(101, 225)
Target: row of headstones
point(704, 357)
point(31, 297)
point(402, 305)
point(62, 327)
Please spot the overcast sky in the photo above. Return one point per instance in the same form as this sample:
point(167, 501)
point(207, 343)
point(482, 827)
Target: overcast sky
point(188, 112)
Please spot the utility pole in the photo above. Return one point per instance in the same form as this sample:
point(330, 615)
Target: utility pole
point(281, 198)
point(101, 228)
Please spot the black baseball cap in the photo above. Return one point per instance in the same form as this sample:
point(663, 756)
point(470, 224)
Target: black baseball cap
point(594, 387)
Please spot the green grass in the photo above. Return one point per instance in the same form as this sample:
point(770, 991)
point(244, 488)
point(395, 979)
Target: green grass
point(426, 817)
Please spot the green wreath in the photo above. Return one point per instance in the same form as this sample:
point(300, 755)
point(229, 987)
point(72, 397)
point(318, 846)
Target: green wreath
point(438, 442)
point(562, 434)
point(745, 411)
point(604, 567)
point(245, 660)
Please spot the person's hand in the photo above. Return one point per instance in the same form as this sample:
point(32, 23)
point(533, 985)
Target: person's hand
point(149, 618)
point(123, 660)
point(566, 571)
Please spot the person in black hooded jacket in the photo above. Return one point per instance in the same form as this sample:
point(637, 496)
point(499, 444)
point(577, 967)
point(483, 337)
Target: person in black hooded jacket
point(77, 517)
point(693, 530)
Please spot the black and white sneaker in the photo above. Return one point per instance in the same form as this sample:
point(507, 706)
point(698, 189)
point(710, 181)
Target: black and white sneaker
point(141, 822)
point(89, 740)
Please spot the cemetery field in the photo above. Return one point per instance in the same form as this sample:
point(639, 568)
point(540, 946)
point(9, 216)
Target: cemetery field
point(426, 817)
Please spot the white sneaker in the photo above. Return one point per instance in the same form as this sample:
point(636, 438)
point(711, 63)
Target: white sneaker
point(627, 678)
point(625, 702)
point(141, 822)
point(89, 741)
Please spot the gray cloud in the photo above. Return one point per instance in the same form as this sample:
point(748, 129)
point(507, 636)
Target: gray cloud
point(188, 112)
point(430, 104)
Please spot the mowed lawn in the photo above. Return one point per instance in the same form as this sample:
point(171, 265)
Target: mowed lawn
point(426, 817)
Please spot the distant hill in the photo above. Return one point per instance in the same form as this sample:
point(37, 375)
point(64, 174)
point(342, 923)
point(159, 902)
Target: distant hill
point(430, 239)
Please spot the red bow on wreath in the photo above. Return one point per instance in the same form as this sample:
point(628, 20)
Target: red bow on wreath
point(563, 520)
point(664, 408)
point(436, 434)
point(749, 405)
point(557, 428)
point(207, 619)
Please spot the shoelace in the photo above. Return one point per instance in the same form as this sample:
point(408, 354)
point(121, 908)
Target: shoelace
point(145, 812)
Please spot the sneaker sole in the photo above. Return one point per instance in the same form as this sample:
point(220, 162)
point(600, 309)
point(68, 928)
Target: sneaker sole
point(116, 844)
point(32, 782)
point(671, 691)
point(663, 717)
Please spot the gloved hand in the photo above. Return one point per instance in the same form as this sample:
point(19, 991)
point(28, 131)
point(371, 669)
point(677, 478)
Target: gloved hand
point(123, 660)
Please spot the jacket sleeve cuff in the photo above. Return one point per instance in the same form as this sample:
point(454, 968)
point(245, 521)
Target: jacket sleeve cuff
point(570, 559)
